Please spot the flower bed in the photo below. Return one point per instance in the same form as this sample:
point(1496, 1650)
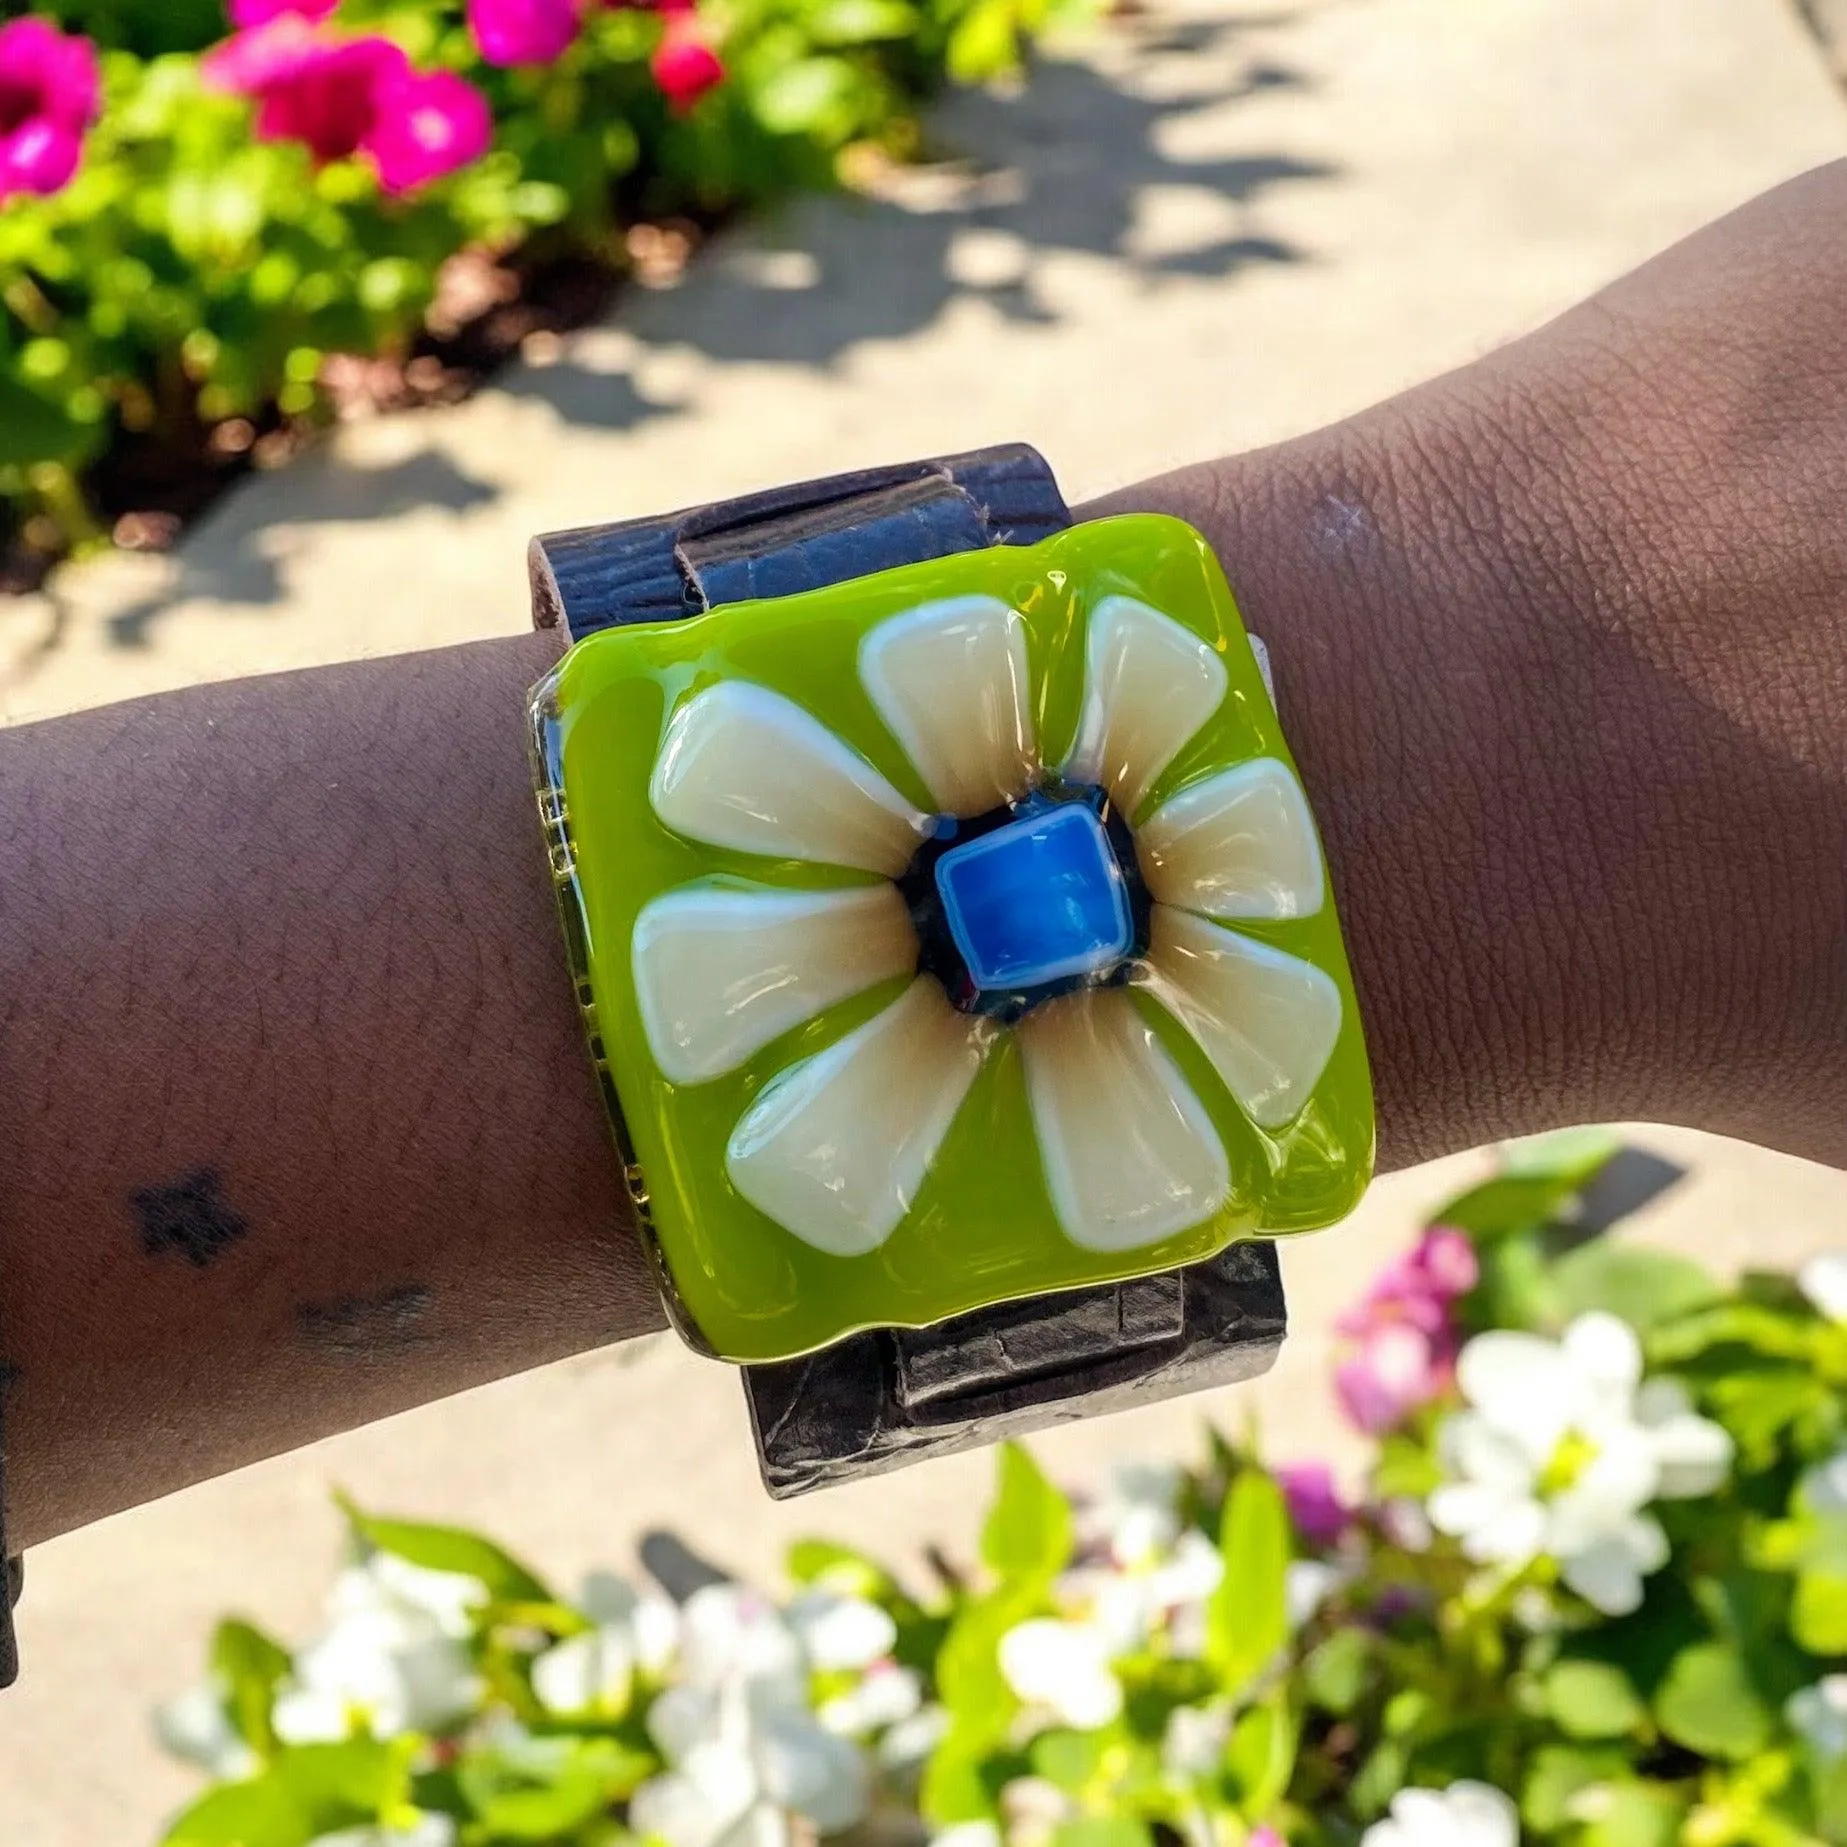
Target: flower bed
point(205, 218)
point(1593, 1592)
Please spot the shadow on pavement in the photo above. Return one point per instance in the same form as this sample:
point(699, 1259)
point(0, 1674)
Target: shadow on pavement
point(1070, 164)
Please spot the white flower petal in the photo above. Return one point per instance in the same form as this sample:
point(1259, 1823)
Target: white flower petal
point(1823, 1487)
point(729, 1632)
point(1818, 1716)
point(1522, 1385)
point(1494, 1526)
point(196, 1728)
point(1606, 1357)
point(585, 1671)
point(1693, 1456)
point(684, 1813)
point(1268, 1021)
point(1617, 1479)
point(745, 768)
point(950, 680)
point(1193, 1572)
point(1240, 844)
point(841, 1632)
point(1307, 1584)
point(835, 1148)
point(968, 1834)
point(888, 1695)
point(310, 1715)
point(1482, 1814)
point(1607, 1576)
point(1129, 1153)
point(815, 1773)
point(1062, 1666)
point(1823, 1279)
point(682, 1718)
point(1149, 684)
point(722, 969)
point(1471, 1446)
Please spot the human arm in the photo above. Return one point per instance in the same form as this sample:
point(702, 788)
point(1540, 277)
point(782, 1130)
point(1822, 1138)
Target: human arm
point(301, 1130)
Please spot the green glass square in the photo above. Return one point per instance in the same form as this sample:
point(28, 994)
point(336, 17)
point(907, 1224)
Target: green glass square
point(1233, 1028)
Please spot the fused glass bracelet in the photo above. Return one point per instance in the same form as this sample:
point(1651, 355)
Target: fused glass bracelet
point(951, 935)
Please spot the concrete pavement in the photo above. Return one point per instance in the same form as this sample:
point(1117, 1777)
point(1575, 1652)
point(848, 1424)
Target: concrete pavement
point(1202, 230)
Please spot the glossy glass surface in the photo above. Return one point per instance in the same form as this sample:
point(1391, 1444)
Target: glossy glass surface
point(830, 1139)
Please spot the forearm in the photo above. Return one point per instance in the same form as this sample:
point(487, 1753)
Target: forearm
point(300, 1129)
point(288, 947)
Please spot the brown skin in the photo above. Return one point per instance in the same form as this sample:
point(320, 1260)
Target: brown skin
point(1562, 649)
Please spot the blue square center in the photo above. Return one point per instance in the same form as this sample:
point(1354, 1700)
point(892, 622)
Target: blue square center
point(1041, 899)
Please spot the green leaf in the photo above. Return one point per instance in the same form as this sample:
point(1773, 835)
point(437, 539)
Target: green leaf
point(555, 1786)
point(35, 429)
point(861, 22)
point(1592, 1699)
point(1247, 1621)
point(1068, 1759)
point(1637, 1814)
point(1261, 1755)
point(1103, 1831)
point(799, 98)
point(260, 1813)
point(985, 43)
point(1334, 1676)
point(1709, 1704)
point(841, 1568)
point(1641, 1286)
point(450, 1548)
point(1404, 1469)
point(251, 1666)
point(1818, 1614)
point(1539, 1180)
point(1560, 1772)
point(1027, 1534)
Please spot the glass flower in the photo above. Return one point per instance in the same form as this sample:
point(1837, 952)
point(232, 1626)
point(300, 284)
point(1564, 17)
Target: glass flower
point(952, 935)
point(1023, 901)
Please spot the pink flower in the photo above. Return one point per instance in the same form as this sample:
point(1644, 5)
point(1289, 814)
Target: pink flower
point(430, 125)
point(1264, 1836)
point(523, 31)
point(684, 65)
point(248, 13)
point(1319, 1514)
point(49, 94)
point(356, 96)
point(1397, 1370)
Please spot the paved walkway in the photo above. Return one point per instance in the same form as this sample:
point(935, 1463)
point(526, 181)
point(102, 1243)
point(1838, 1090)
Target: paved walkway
point(1228, 222)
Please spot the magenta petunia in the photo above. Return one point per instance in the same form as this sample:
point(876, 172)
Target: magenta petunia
point(524, 31)
point(49, 95)
point(331, 96)
point(684, 65)
point(247, 13)
point(1316, 1509)
point(428, 125)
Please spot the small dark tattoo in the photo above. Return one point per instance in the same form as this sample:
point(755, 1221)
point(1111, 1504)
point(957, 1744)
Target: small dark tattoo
point(386, 1323)
point(189, 1217)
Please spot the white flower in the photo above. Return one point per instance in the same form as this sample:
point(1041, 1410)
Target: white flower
point(1823, 1487)
point(968, 1834)
point(1307, 1584)
point(1466, 1814)
point(1065, 1668)
point(887, 1695)
point(841, 1633)
point(451, 1599)
point(1823, 1279)
point(426, 1829)
point(835, 1147)
point(1195, 1740)
point(1818, 1716)
point(1562, 1450)
point(911, 1740)
point(744, 1751)
point(1139, 1513)
point(197, 1729)
point(390, 1662)
point(594, 1671)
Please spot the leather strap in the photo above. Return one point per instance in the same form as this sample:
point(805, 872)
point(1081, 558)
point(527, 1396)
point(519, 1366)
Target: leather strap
point(787, 539)
point(878, 1400)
